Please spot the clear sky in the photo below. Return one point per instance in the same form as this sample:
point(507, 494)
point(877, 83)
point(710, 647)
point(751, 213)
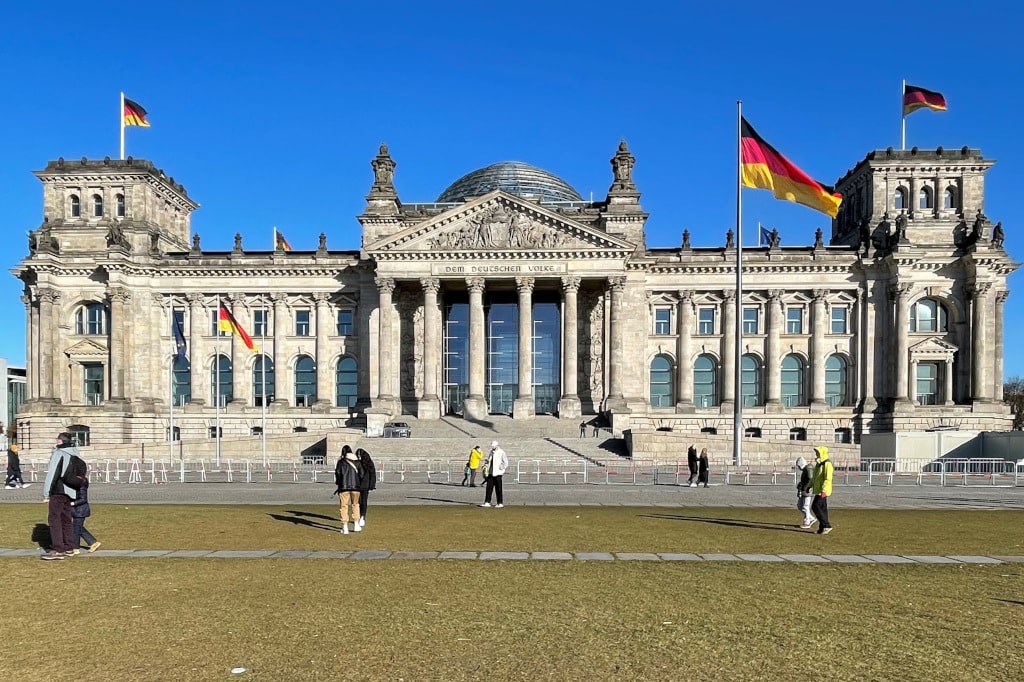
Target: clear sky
point(269, 113)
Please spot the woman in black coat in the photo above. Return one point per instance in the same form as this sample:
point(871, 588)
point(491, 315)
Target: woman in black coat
point(702, 468)
point(367, 482)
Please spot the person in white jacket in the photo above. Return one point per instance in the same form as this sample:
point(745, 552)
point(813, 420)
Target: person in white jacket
point(495, 465)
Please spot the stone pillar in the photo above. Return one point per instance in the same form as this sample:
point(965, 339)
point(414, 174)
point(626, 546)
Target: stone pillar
point(684, 368)
point(31, 328)
point(569, 405)
point(730, 362)
point(981, 389)
point(524, 406)
point(429, 406)
point(475, 405)
point(947, 381)
point(324, 376)
point(902, 295)
point(200, 375)
point(284, 377)
point(773, 392)
point(118, 299)
point(819, 327)
point(615, 400)
point(912, 389)
point(44, 350)
point(385, 347)
point(866, 335)
point(1000, 300)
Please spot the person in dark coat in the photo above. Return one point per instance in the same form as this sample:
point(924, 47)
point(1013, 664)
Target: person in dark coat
point(691, 463)
point(14, 479)
point(367, 482)
point(80, 511)
point(703, 467)
point(347, 473)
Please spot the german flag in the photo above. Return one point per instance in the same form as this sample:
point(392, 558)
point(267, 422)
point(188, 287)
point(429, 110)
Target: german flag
point(763, 167)
point(280, 242)
point(226, 323)
point(915, 98)
point(134, 114)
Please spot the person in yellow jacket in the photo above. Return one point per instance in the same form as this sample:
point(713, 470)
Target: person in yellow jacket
point(821, 486)
point(475, 455)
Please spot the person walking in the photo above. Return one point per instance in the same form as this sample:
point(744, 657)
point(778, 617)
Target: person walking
point(58, 498)
point(583, 428)
point(80, 511)
point(703, 468)
point(821, 488)
point(691, 463)
point(495, 465)
point(475, 456)
point(367, 482)
point(14, 479)
point(804, 491)
point(347, 473)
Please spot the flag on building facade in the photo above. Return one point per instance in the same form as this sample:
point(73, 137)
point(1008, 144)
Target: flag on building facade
point(762, 167)
point(280, 242)
point(764, 235)
point(915, 98)
point(226, 323)
point(179, 341)
point(134, 114)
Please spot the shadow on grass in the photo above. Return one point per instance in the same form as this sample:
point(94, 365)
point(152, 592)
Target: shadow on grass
point(300, 521)
point(736, 523)
point(1011, 601)
point(312, 515)
point(445, 500)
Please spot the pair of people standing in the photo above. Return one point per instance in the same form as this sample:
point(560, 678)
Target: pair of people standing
point(355, 476)
point(494, 468)
point(67, 508)
point(472, 466)
point(814, 489)
point(699, 467)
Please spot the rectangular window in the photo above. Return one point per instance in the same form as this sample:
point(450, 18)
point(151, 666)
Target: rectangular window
point(259, 322)
point(345, 322)
point(839, 319)
point(93, 383)
point(795, 320)
point(301, 323)
point(662, 321)
point(177, 320)
point(750, 320)
point(706, 321)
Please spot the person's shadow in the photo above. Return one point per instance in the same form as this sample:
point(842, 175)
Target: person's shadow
point(301, 521)
point(41, 536)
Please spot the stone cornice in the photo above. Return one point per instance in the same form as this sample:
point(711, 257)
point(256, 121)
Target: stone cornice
point(726, 268)
point(500, 255)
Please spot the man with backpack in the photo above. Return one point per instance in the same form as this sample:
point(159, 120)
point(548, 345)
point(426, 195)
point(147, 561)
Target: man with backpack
point(59, 494)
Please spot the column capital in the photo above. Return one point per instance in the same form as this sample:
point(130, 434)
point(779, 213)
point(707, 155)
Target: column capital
point(322, 298)
point(979, 289)
point(570, 283)
point(1001, 296)
point(118, 295)
point(685, 295)
point(233, 298)
point(27, 300)
point(729, 296)
point(195, 299)
point(525, 284)
point(901, 290)
point(430, 285)
point(820, 295)
point(385, 285)
point(617, 284)
point(775, 296)
point(279, 298)
point(159, 300)
point(476, 284)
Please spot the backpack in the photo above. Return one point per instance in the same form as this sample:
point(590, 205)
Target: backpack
point(76, 473)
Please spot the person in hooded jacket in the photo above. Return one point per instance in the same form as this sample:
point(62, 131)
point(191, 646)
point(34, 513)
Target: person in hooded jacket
point(347, 474)
point(367, 482)
point(59, 496)
point(821, 487)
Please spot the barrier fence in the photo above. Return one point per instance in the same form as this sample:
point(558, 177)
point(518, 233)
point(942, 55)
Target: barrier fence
point(865, 472)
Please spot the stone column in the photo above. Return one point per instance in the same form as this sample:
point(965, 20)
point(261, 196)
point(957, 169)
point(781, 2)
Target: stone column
point(981, 389)
point(948, 381)
point(429, 406)
point(773, 392)
point(1000, 300)
point(684, 368)
point(524, 405)
point(912, 388)
point(200, 375)
point(617, 286)
point(475, 405)
point(819, 327)
point(866, 335)
point(284, 378)
point(324, 376)
point(385, 348)
point(44, 350)
point(730, 362)
point(902, 295)
point(31, 328)
point(569, 405)
point(118, 299)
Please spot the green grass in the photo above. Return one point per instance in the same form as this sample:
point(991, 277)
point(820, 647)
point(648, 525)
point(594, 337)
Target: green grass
point(195, 619)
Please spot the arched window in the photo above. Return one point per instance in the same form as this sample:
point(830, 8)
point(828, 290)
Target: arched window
point(798, 433)
point(173, 434)
point(900, 199)
point(300, 429)
point(835, 380)
point(949, 198)
point(843, 435)
point(221, 379)
point(79, 434)
point(661, 381)
point(305, 381)
point(90, 320)
point(752, 432)
point(215, 432)
point(255, 430)
point(120, 205)
point(705, 382)
point(751, 381)
point(924, 198)
point(928, 383)
point(928, 315)
point(97, 206)
point(263, 381)
point(76, 206)
point(794, 379)
point(710, 430)
point(182, 378)
point(346, 383)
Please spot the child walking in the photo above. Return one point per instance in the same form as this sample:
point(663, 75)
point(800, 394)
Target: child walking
point(80, 511)
point(804, 491)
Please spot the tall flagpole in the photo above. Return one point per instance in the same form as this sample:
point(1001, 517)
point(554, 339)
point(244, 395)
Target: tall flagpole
point(903, 118)
point(263, 379)
point(737, 418)
point(170, 429)
point(120, 117)
point(216, 377)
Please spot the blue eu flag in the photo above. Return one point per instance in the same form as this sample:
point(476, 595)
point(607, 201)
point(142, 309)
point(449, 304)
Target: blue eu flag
point(179, 341)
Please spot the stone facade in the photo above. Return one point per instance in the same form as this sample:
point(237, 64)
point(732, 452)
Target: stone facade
point(894, 324)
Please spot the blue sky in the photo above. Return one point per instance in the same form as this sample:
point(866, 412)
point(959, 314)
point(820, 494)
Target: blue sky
point(270, 113)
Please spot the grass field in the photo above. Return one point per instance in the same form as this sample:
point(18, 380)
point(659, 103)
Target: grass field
point(196, 619)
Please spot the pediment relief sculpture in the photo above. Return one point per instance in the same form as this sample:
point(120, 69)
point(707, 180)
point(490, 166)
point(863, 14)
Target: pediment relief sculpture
point(498, 228)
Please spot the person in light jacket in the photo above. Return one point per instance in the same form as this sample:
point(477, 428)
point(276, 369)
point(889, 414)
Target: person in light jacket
point(347, 473)
point(495, 466)
point(59, 496)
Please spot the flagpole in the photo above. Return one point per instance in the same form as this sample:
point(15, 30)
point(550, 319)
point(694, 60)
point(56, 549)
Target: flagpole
point(737, 418)
point(216, 377)
point(263, 380)
point(170, 429)
point(120, 117)
point(903, 118)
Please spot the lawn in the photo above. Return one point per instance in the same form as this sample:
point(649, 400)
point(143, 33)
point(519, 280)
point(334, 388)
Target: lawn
point(196, 619)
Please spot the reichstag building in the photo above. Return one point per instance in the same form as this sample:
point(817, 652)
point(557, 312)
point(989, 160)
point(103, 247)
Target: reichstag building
point(511, 294)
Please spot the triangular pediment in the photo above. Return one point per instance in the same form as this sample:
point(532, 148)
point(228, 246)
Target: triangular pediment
point(86, 348)
point(933, 347)
point(500, 223)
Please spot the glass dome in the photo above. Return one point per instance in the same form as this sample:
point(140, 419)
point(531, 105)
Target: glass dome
point(514, 177)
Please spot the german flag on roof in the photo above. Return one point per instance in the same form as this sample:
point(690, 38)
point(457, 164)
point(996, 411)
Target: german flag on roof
point(134, 114)
point(763, 167)
point(915, 98)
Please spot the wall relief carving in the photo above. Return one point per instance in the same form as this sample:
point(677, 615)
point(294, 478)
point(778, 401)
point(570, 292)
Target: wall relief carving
point(498, 228)
point(590, 348)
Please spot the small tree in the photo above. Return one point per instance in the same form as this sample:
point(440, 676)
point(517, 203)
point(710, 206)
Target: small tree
point(1013, 394)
